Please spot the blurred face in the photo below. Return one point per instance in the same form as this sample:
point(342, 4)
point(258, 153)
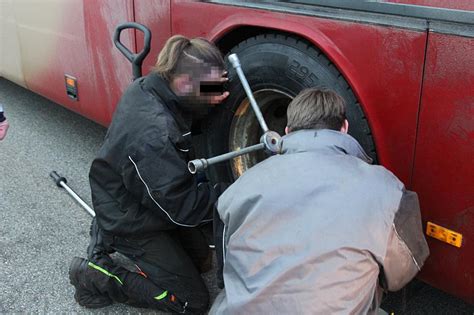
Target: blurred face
point(203, 85)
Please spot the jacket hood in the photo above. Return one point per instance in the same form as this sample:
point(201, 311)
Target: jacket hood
point(310, 140)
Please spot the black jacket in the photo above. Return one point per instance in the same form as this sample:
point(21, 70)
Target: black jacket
point(140, 182)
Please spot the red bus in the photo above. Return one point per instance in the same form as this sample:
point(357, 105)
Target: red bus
point(404, 67)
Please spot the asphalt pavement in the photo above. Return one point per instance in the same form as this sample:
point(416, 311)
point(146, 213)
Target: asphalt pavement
point(42, 228)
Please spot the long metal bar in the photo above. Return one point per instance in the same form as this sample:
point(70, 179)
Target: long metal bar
point(270, 139)
point(78, 199)
point(197, 165)
point(234, 60)
point(61, 182)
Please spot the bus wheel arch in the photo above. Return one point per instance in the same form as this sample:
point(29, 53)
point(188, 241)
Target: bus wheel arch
point(278, 66)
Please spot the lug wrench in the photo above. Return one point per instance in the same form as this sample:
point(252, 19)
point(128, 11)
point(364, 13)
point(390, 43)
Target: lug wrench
point(200, 164)
point(270, 140)
point(234, 60)
point(61, 182)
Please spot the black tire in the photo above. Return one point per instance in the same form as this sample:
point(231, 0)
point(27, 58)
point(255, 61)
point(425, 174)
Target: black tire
point(277, 67)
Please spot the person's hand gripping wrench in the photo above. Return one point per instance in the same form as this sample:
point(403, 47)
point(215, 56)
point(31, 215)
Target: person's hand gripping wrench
point(270, 140)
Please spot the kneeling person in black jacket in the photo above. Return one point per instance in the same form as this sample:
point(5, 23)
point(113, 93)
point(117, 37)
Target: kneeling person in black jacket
point(148, 205)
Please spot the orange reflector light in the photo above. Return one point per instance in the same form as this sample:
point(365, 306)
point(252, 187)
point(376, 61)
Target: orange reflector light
point(70, 82)
point(71, 86)
point(443, 234)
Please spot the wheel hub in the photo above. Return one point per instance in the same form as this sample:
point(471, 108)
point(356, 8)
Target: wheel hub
point(245, 130)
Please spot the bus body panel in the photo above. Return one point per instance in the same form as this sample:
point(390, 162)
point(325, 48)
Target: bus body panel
point(10, 51)
point(385, 80)
point(75, 38)
point(156, 15)
point(444, 170)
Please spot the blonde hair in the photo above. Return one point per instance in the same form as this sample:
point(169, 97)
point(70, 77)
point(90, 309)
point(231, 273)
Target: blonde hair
point(315, 108)
point(180, 54)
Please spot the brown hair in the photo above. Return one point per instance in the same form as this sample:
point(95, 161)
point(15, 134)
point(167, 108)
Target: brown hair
point(181, 54)
point(315, 108)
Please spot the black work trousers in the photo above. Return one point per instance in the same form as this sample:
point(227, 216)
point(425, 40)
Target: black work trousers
point(171, 262)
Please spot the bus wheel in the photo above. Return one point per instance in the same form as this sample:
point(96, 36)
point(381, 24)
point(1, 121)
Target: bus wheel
point(277, 67)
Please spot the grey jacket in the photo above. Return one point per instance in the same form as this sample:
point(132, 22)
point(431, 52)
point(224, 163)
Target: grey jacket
point(317, 230)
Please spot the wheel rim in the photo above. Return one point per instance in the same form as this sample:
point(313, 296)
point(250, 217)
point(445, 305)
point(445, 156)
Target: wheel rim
point(245, 130)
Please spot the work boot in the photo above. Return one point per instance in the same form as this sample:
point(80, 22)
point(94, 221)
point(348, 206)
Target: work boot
point(99, 286)
point(95, 286)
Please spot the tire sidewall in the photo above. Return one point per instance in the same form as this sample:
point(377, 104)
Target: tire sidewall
point(285, 64)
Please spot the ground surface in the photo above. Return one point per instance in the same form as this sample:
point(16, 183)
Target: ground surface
point(41, 228)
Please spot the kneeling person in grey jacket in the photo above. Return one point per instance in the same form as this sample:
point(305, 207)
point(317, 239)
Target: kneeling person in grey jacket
point(317, 229)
